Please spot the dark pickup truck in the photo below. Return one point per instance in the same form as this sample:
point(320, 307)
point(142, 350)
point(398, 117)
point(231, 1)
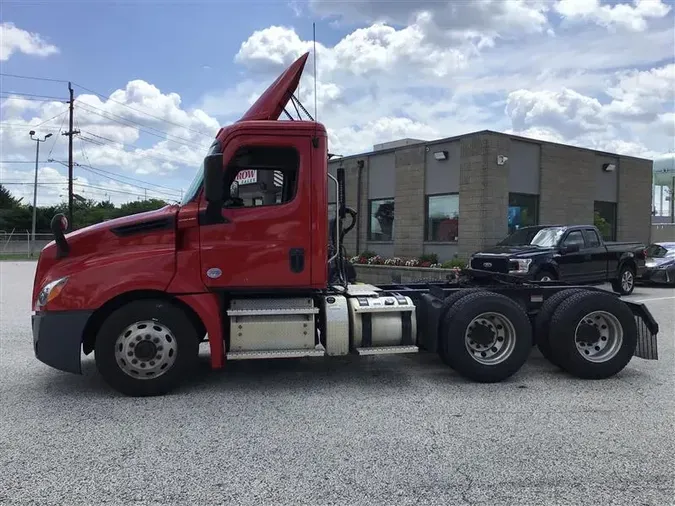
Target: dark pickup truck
point(575, 254)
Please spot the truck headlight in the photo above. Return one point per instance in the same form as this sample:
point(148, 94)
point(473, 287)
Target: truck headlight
point(50, 291)
point(519, 265)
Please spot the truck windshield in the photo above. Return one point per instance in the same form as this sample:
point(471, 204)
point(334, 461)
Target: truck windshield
point(198, 178)
point(542, 237)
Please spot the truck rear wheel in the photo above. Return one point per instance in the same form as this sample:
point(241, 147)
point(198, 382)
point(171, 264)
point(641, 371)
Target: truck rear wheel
point(447, 304)
point(542, 323)
point(146, 347)
point(593, 335)
point(487, 337)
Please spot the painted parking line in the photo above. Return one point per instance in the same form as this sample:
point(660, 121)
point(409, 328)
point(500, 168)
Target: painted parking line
point(654, 298)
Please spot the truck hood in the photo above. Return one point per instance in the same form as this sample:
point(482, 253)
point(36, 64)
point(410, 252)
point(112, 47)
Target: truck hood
point(524, 251)
point(94, 237)
point(147, 233)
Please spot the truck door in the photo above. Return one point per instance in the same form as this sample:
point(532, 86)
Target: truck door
point(599, 258)
point(265, 240)
point(574, 266)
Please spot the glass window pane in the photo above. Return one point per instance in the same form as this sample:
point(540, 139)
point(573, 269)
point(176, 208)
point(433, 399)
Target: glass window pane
point(523, 211)
point(574, 238)
point(442, 220)
point(381, 225)
point(605, 219)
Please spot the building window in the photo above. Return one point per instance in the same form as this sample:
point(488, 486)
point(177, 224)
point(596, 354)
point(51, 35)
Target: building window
point(442, 218)
point(381, 223)
point(604, 218)
point(523, 211)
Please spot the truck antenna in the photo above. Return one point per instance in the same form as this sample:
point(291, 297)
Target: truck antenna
point(316, 116)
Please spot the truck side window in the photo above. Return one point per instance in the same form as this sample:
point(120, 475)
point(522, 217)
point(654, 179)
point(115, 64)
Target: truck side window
point(266, 175)
point(574, 237)
point(592, 239)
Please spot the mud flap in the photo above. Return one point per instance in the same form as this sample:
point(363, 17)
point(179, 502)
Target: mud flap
point(646, 345)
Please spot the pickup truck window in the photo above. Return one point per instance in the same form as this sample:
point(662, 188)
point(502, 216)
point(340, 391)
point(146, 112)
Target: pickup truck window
point(592, 239)
point(543, 237)
point(547, 237)
point(574, 237)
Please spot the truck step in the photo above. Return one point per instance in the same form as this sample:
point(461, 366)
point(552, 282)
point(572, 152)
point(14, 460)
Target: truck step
point(252, 355)
point(387, 350)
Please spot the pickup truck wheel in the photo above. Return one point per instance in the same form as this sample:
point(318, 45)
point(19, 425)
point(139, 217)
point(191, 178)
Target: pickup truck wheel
point(448, 302)
point(146, 347)
point(542, 323)
point(545, 276)
point(487, 337)
point(625, 284)
point(593, 335)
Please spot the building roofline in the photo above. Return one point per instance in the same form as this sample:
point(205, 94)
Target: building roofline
point(483, 132)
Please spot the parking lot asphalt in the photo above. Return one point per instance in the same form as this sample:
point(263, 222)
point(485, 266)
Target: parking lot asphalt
point(391, 430)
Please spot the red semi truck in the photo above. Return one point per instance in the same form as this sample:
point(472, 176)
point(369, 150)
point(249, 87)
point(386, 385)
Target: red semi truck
point(271, 281)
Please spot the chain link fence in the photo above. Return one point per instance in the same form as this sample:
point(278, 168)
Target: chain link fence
point(17, 243)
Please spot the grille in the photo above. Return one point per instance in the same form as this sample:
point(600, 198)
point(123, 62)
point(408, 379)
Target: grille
point(494, 264)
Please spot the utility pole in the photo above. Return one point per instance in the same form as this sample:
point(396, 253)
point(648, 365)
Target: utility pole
point(70, 134)
point(37, 159)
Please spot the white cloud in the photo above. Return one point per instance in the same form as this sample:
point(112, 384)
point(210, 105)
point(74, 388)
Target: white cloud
point(138, 132)
point(632, 16)
point(13, 40)
point(639, 119)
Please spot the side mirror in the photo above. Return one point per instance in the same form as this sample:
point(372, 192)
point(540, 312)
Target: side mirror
point(569, 248)
point(213, 179)
point(213, 187)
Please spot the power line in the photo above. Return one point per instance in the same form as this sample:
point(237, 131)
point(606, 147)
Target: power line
point(32, 99)
point(145, 129)
point(75, 183)
point(142, 112)
point(32, 95)
point(96, 170)
point(131, 146)
point(33, 78)
point(172, 195)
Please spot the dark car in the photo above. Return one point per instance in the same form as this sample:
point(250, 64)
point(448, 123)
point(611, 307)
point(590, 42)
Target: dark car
point(660, 264)
point(571, 253)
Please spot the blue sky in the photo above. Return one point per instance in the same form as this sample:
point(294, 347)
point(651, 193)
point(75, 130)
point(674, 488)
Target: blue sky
point(595, 74)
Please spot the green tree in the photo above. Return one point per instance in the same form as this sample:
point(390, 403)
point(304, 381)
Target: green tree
point(7, 200)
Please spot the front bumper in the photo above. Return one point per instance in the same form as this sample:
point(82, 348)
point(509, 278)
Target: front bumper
point(653, 275)
point(57, 338)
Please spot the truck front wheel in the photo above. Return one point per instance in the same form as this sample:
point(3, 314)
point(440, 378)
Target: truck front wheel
point(487, 337)
point(146, 347)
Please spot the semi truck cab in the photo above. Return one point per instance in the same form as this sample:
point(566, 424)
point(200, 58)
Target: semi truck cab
point(142, 292)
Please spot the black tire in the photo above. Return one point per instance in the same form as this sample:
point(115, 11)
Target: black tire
point(457, 321)
point(571, 313)
point(626, 273)
point(175, 342)
point(448, 302)
point(542, 323)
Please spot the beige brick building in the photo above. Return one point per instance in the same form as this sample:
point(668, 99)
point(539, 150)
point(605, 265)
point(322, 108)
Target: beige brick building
point(454, 196)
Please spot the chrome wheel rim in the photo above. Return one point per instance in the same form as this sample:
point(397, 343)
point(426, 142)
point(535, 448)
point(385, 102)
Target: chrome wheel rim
point(627, 281)
point(546, 278)
point(146, 350)
point(490, 338)
point(598, 336)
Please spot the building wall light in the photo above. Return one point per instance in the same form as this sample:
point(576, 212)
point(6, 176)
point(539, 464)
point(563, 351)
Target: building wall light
point(608, 167)
point(441, 155)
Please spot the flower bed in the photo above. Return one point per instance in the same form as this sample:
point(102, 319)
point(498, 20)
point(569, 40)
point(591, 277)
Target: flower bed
point(372, 268)
point(427, 261)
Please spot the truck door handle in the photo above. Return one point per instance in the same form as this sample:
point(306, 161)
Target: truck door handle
point(296, 259)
